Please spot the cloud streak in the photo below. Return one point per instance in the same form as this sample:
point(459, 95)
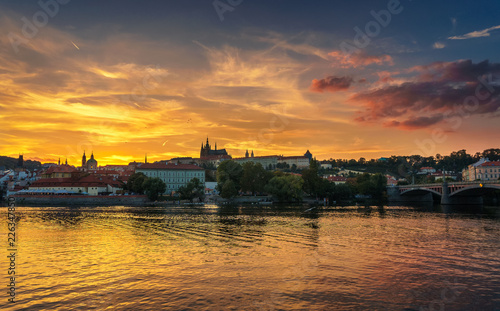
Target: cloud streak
point(359, 59)
point(476, 34)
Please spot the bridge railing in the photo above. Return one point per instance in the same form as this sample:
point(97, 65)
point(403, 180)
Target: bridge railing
point(451, 184)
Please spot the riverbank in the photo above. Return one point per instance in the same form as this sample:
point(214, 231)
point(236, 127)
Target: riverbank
point(80, 200)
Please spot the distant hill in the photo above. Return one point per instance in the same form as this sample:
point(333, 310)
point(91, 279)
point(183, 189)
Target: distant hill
point(9, 163)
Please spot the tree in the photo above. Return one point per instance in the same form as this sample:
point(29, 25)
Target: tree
point(229, 171)
point(228, 190)
point(254, 177)
point(193, 189)
point(311, 178)
point(372, 185)
point(285, 188)
point(154, 187)
point(135, 183)
point(342, 192)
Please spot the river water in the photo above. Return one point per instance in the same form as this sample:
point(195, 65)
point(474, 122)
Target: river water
point(249, 258)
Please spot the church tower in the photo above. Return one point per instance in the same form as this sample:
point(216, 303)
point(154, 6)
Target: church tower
point(252, 153)
point(84, 159)
point(246, 154)
point(20, 161)
point(91, 163)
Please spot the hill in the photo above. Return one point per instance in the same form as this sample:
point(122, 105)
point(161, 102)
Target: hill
point(9, 163)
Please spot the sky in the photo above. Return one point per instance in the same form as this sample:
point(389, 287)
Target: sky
point(343, 79)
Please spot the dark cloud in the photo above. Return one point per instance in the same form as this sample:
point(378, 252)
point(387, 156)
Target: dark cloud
point(442, 90)
point(415, 122)
point(458, 71)
point(331, 84)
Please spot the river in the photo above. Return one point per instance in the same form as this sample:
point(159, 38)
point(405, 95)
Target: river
point(251, 258)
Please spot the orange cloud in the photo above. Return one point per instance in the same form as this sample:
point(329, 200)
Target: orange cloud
point(359, 59)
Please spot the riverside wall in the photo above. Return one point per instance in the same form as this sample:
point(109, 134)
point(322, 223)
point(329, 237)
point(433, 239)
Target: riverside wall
point(80, 200)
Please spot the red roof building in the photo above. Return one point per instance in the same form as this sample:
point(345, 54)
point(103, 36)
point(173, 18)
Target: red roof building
point(488, 171)
point(337, 179)
point(90, 184)
point(60, 171)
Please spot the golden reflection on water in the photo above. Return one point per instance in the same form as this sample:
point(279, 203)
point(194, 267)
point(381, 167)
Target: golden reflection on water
point(254, 259)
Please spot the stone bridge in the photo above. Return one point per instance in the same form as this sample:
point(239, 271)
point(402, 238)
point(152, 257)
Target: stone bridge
point(449, 193)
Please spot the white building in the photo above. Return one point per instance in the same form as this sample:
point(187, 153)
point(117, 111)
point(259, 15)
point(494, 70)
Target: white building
point(470, 172)
point(426, 170)
point(173, 175)
point(299, 161)
point(267, 162)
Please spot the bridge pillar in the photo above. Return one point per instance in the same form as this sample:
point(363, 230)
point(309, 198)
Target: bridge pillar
point(445, 197)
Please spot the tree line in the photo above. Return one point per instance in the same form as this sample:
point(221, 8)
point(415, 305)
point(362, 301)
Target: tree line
point(234, 179)
point(154, 187)
point(406, 166)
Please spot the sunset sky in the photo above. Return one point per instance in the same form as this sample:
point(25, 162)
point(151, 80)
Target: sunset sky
point(344, 79)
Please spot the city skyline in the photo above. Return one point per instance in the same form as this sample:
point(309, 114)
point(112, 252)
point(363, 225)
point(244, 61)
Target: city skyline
point(343, 80)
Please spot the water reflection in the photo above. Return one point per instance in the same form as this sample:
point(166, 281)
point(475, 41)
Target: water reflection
point(258, 258)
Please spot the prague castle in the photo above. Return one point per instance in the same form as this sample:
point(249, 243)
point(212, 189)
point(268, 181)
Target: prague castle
point(207, 151)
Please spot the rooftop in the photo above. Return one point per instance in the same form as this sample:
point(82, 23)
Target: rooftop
point(61, 169)
point(170, 166)
point(492, 163)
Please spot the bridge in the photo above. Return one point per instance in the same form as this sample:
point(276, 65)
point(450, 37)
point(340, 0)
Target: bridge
point(449, 193)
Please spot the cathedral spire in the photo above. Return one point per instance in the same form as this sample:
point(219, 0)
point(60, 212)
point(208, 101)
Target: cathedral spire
point(146, 158)
point(246, 154)
point(84, 159)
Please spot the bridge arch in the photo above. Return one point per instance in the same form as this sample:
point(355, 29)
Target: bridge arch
point(476, 190)
point(417, 191)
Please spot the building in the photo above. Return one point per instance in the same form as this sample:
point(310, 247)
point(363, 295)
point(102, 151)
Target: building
point(488, 171)
point(20, 161)
point(267, 162)
point(60, 171)
point(207, 150)
point(183, 160)
point(308, 155)
point(270, 162)
point(299, 161)
point(326, 165)
point(91, 163)
point(173, 175)
point(426, 170)
point(90, 184)
point(338, 180)
point(439, 175)
point(470, 172)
